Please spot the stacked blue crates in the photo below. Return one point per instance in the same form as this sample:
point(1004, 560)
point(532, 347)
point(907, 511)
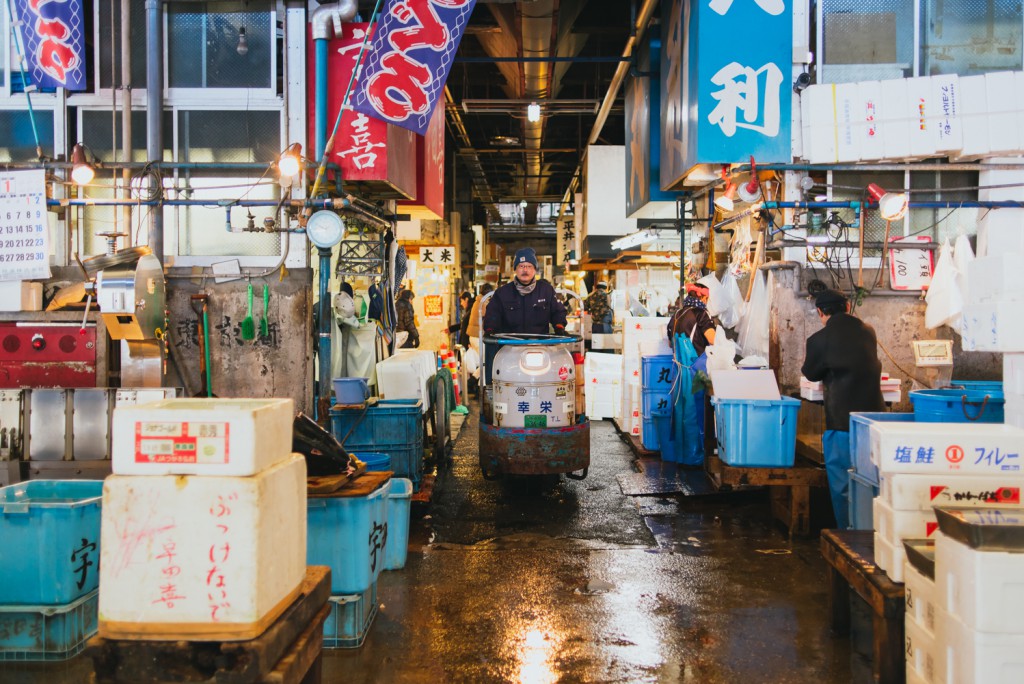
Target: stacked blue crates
point(49, 563)
point(390, 426)
point(864, 482)
point(657, 373)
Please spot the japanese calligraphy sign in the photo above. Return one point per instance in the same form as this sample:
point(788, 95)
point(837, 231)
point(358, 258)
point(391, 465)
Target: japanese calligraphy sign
point(51, 32)
point(568, 241)
point(437, 255)
point(409, 61)
point(24, 229)
point(910, 269)
point(975, 449)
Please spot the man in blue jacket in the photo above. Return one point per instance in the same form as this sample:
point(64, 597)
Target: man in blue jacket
point(526, 304)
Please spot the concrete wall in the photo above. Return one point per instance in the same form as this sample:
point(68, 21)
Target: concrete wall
point(279, 365)
point(897, 320)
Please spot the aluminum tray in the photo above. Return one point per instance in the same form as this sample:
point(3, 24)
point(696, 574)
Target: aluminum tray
point(986, 529)
point(921, 554)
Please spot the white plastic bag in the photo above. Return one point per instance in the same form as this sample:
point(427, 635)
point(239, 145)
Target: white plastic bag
point(733, 298)
point(721, 353)
point(754, 331)
point(718, 298)
point(471, 360)
point(963, 255)
point(945, 301)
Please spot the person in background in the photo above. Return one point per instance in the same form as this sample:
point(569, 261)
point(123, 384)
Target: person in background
point(600, 310)
point(526, 304)
point(693, 313)
point(462, 327)
point(407, 318)
point(843, 356)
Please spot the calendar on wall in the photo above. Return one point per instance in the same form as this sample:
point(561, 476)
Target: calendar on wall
point(24, 230)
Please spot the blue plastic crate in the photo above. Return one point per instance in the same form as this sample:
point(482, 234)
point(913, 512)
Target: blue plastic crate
point(756, 432)
point(655, 400)
point(49, 541)
point(649, 434)
point(399, 506)
point(350, 619)
point(958, 406)
point(47, 632)
point(391, 426)
point(657, 372)
point(861, 494)
point(860, 440)
point(979, 385)
point(349, 534)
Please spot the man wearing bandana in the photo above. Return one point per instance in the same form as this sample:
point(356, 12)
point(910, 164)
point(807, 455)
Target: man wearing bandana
point(694, 314)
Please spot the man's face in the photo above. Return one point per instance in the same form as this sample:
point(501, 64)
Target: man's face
point(525, 272)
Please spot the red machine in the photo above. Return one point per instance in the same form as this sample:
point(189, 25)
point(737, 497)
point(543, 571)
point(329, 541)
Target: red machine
point(47, 355)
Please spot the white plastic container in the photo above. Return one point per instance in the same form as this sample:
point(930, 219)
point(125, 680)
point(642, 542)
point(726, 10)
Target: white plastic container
point(867, 133)
point(980, 657)
point(817, 116)
point(921, 600)
point(405, 376)
point(890, 558)
point(974, 114)
point(896, 115)
point(995, 325)
point(206, 556)
point(972, 448)
point(1002, 231)
point(920, 492)
point(995, 277)
point(1013, 374)
point(202, 436)
point(923, 110)
point(894, 526)
point(984, 589)
point(923, 654)
point(1001, 91)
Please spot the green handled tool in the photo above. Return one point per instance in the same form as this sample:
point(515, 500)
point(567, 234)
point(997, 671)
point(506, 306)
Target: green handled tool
point(264, 323)
point(248, 324)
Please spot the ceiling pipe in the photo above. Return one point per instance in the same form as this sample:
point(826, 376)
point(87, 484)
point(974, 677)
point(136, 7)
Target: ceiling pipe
point(326, 21)
point(471, 159)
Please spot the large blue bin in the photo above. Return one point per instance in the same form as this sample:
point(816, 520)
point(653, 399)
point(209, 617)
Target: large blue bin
point(391, 426)
point(860, 500)
point(654, 400)
point(47, 632)
point(756, 432)
point(49, 541)
point(399, 509)
point(958, 405)
point(657, 372)
point(860, 440)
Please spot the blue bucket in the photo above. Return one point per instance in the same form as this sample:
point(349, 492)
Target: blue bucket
point(671, 450)
point(374, 461)
point(351, 390)
point(957, 406)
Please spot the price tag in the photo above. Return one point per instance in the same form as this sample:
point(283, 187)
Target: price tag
point(24, 233)
point(910, 269)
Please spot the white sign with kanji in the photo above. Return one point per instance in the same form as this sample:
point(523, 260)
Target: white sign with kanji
point(437, 255)
point(24, 230)
point(910, 269)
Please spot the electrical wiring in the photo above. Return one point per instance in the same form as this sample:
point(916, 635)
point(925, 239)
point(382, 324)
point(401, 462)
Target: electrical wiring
point(900, 368)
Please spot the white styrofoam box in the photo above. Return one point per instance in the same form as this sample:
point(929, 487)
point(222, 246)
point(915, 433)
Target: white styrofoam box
point(817, 114)
point(921, 599)
point(974, 448)
point(812, 391)
point(894, 526)
point(946, 113)
point(202, 436)
point(848, 147)
point(891, 392)
point(142, 395)
point(602, 379)
point(1001, 97)
point(978, 586)
point(997, 182)
point(974, 115)
point(656, 346)
point(995, 277)
point(889, 558)
point(1013, 373)
point(993, 326)
point(606, 341)
point(922, 651)
point(923, 110)
point(607, 363)
point(866, 129)
point(405, 376)
point(1001, 232)
point(894, 119)
point(201, 553)
point(980, 657)
point(922, 491)
point(21, 295)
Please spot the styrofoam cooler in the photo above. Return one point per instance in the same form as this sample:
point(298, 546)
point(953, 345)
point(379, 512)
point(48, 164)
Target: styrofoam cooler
point(405, 376)
point(995, 277)
point(895, 525)
point(924, 656)
point(982, 657)
point(999, 232)
point(979, 587)
point(860, 439)
point(229, 437)
point(995, 326)
point(214, 556)
point(907, 492)
point(889, 558)
point(947, 448)
point(921, 599)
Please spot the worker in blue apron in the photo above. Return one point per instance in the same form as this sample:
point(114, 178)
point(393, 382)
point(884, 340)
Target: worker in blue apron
point(691, 326)
point(843, 356)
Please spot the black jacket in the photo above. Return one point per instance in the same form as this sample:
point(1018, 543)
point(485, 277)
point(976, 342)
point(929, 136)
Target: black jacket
point(844, 357)
point(510, 312)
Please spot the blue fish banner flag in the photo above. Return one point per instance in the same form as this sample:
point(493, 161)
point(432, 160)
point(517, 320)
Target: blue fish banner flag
point(408, 63)
point(54, 42)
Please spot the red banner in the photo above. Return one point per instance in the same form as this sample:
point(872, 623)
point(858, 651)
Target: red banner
point(429, 200)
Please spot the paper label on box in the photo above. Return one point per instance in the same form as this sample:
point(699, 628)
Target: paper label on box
point(185, 442)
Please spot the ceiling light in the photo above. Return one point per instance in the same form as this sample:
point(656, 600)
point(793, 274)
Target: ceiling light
point(891, 205)
point(290, 160)
point(505, 141)
point(523, 203)
point(81, 172)
point(634, 239)
point(533, 112)
point(243, 43)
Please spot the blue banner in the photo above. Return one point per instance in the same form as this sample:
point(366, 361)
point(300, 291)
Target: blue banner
point(407, 65)
point(52, 35)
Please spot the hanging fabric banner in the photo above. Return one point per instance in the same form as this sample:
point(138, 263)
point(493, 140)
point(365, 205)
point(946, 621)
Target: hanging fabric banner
point(411, 54)
point(52, 34)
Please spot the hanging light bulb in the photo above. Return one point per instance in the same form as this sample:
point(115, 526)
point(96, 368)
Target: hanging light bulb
point(290, 160)
point(727, 200)
point(892, 206)
point(243, 43)
point(533, 112)
point(523, 203)
point(81, 172)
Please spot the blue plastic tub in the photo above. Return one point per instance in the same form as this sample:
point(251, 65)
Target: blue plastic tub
point(756, 432)
point(49, 541)
point(958, 406)
point(860, 440)
point(399, 505)
point(48, 632)
point(649, 434)
point(657, 372)
point(350, 619)
point(349, 534)
point(670, 451)
point(979, 385)
point(860, 500)
point(391, 426)
point(655, 400)
point(375, 461)
point(351, 390)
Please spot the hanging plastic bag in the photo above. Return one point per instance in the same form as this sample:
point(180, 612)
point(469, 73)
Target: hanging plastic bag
point(963, 255)
point(718, 298)
point(688, 409)
point(730, 312)
point(945, 301)
point(471, 360)
point(757, 317)
point(722, 353)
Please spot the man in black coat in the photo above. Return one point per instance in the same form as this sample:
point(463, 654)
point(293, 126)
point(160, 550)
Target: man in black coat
point(526, 304)
point(844, 357)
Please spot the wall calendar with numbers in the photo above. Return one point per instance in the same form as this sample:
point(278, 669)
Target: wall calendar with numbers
point(24, 226)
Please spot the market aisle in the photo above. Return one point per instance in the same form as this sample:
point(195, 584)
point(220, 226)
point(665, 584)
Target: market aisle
point(507, 583)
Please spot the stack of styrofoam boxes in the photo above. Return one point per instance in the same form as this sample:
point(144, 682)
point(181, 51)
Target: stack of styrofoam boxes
point(921, 621)
point(922, 465)
point(603, 385)
point(657, 374)
point(204, 520)
point(979, 596)
point(1013, 389)
point(640, 335)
